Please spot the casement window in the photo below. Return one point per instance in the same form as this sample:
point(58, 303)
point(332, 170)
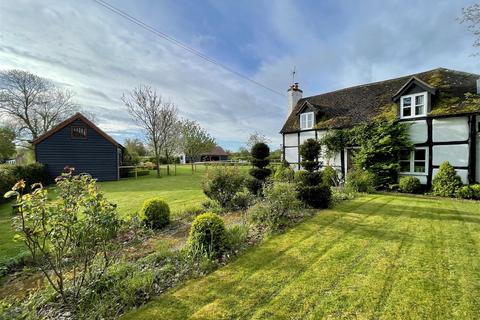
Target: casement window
point(78, 132)
point(306, 120)
point(414, 162)
point(413, 105)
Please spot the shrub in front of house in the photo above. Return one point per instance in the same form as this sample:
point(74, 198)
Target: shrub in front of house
point(311, 190)
point(359, 180)
point(469, 192)
point(260, 153)
point(409, 185)
point(156, 213)
point(446, 182)
point(330, 177)
point(208, 236)
point(279, 208)
point(222, 184)
point(284, 173)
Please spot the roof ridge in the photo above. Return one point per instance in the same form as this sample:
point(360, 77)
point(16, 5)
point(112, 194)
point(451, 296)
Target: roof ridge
point(391, 79)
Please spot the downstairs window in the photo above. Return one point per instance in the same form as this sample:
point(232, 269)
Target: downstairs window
point(414, 162)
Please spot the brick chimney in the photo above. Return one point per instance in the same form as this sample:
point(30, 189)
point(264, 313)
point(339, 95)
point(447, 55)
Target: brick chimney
point(294, 94)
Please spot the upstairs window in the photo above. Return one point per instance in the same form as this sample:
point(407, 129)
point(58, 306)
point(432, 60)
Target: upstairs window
point(414, 162)
point(414, 105)
point(306, 120)
point(78, 132)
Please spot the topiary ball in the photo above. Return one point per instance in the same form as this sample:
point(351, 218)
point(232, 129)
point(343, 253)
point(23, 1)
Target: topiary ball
point(260, 151)
point(208, 235)
point(409, 185)
point(156, 213)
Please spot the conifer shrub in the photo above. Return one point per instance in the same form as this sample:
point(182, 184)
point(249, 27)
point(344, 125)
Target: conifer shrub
point(469, 192)
point(260, 172)
point(208, 236)
point(446, 182)
point(156, 213)
point(409, 185)
point(311, 190)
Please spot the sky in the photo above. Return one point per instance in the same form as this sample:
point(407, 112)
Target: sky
point(83, 47)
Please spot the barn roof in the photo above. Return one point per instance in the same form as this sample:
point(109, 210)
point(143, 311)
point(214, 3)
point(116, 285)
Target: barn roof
point(216, 151)
point(359, 104)
point(77, 116)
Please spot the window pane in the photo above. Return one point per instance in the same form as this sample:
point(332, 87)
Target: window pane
point(419, 166)
point(419, 110)
point(404, 166)
point(420, 154)
point(405, 155)
point(419, 100)
point(407, 102)
point(407, 112)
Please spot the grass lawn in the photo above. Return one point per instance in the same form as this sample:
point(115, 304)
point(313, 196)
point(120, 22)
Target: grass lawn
point(178, 191)
point(379, 256)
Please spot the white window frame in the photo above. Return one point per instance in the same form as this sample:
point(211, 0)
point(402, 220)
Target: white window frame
point(412, 163)
point(413, 105)
point(304, 120)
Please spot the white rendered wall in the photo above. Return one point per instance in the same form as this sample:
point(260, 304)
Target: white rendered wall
point(456, 154)
point(462, 173)
point(291, 140)
point(291, 155)
point(306, 135)
point(418, 131)
point(450, 129)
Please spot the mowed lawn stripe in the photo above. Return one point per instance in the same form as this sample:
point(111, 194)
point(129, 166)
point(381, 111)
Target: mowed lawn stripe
point(275, 275)
point(323, 278)
point(206, 291)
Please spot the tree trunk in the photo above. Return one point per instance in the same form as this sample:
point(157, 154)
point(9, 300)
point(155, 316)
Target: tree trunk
point(157, 161)
point(192, 166)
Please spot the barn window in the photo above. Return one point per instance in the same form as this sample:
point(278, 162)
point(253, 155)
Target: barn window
point(306, 120)
point(79, 132)
point(414, 162)
point(414, 105)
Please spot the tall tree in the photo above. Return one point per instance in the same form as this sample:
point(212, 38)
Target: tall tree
point(153, 114)
point(471, 16)
point(257, 137)
point(195, 140)
point(7, 143)
point(135, 146)
point(33, 104)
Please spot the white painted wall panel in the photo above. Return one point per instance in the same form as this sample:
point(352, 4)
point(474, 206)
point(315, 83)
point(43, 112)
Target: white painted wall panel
point(291, 155)
point(291, 139)
point(422, 178)
point(462, 173)
point(456, 154)
point(306, 135)
point(450, 129)
point(418, 131)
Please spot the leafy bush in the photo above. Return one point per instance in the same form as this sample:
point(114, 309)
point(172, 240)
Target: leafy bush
point(359, 180)
point(469, 192)
point(260, 153)
point(330, 177)
point(446, 182)
point(279, 208)
point(284, 173)
point(222, 184)
point(76, 230)
point(409, 185)
point(237, 237)
point(341, 194)
point(242, 200)
point(30, 174)
point(189, 212)
point(156, 213)
point(311, 190)
point(208, 236)
point(149, 165)
point(317, 196)
point(210, 205)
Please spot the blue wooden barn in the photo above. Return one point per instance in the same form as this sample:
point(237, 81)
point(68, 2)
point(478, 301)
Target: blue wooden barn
point(80, 144)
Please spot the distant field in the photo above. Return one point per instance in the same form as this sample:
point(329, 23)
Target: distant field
point(376, 257)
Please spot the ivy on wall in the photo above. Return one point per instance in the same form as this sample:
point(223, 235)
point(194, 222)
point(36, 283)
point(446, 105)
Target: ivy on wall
point(379, 146)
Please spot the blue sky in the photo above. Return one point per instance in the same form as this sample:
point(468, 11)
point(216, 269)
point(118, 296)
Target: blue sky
point(333, 44)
